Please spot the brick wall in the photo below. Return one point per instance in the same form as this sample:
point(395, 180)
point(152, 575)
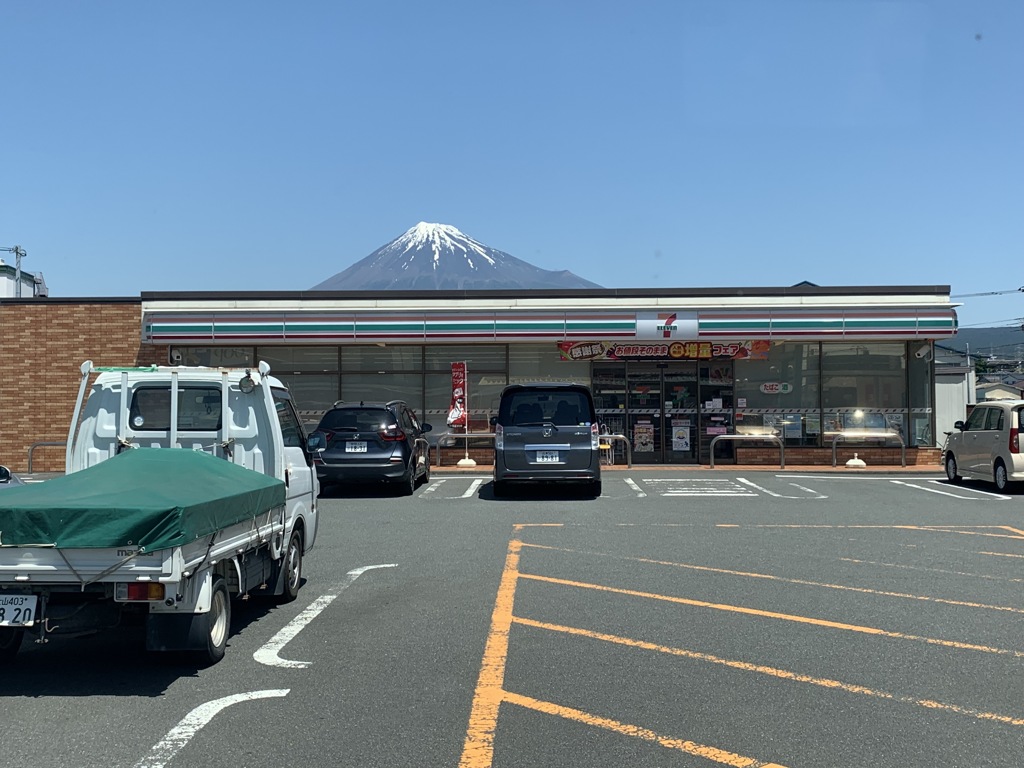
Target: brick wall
point(44, 344)
point(873, 456)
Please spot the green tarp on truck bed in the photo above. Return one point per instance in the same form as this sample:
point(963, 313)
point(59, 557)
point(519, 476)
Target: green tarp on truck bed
point(151, 498)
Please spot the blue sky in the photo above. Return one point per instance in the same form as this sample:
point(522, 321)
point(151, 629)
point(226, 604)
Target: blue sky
point(268, 146)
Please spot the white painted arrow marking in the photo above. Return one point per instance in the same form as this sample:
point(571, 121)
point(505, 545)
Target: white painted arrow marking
point(268, 653)
point(182, 733)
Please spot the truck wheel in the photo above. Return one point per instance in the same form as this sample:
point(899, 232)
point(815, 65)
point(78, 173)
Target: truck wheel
point(292, 565)
point(219, 621)
point(10, 642)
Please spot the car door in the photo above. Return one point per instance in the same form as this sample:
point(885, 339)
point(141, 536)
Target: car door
point(973, 453)
point(300, 474)
point(991, 441)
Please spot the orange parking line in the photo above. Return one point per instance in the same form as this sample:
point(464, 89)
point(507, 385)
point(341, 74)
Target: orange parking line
point(800, 582)
point(774, 615)
point(478, 748)
point(690, 747)
point(926, 528)
point(782, 674)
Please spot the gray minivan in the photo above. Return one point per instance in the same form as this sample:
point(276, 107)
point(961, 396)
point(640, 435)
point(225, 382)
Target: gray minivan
point(546, 432)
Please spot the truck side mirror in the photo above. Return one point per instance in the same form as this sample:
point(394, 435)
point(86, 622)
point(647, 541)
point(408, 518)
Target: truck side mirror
point(316, 442)
point(493, 420)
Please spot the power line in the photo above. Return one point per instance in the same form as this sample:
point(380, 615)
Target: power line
point(987, 293)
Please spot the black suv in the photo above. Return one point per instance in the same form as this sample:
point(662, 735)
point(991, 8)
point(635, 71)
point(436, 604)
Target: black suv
point(371, 442)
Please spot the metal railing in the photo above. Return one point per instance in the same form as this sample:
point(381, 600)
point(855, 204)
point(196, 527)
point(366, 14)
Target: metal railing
point(32, 450)
point(766, 438)
point(449, 437)
point(868, 434)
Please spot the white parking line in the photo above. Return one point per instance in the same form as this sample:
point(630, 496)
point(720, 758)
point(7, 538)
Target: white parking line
point(947, 493)
point(182, 733)
point(814, 494)
point(639, 493)
point(433, 486)
point(472, 489)
point(702, 486)
point(267, 654)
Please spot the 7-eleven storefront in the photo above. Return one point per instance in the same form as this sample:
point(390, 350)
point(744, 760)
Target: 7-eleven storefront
point(670, 370)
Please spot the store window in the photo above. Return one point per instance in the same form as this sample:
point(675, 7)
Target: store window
point(285, 359)
point(779, 395)
point(478, 357)
point(382, 387)
point(312, 394)
point(543, 362)
point(382, 357)
point(921, 381)
point(864, 388)
point(484, 390)
point(213, 357)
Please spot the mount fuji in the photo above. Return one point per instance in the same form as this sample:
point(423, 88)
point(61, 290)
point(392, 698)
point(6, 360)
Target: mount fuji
point(440, 257)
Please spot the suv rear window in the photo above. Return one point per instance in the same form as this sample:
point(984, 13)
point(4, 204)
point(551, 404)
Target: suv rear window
point(536, 406)
point(357, 419)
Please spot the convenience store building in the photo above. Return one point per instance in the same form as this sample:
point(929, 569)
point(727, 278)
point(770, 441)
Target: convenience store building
point(671, 369)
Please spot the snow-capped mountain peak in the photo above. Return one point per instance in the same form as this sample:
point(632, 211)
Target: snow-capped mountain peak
point(440, 238)
point(440, 257)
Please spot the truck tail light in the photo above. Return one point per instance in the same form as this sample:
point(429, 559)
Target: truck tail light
point(499, 437)
point(595, 436)
point(1014, 440)
point(141, 590)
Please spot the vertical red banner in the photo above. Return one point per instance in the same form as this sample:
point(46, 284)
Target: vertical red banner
point(458, 411)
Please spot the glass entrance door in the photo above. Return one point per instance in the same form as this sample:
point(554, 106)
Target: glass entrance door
point(643, 405)
point(716, 409)
point(680, 413)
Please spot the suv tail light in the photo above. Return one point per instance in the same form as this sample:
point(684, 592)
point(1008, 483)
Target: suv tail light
point(392, 433)
point(499, 437)
point(595, 436)
point(1014, 440)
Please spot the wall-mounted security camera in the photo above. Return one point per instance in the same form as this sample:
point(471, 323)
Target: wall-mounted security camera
point(924, 352)
point(174, 356)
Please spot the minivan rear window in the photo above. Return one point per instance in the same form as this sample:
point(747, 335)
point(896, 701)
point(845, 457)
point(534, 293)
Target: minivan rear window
point(548, 405)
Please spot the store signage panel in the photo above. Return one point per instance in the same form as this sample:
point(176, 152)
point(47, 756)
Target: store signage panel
point(578, 351)
point(669, 324)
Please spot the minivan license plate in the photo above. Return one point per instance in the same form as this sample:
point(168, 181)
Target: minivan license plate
point(356, 447)
point(547, 456)
point(17, 610)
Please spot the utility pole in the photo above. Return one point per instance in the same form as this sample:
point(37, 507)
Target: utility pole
point(19, 254)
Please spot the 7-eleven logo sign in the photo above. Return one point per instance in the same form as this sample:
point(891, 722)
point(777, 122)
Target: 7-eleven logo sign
point(667, 324)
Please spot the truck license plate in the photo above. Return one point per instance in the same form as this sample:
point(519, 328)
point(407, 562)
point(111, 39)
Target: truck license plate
point(356, 447)
point(547, 456)
point(17, 610)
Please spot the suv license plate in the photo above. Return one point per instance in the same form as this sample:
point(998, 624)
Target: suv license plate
point(547, 456)
point(17, 610)
point(356, 447)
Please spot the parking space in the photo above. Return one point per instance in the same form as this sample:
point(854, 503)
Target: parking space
point(755, 645)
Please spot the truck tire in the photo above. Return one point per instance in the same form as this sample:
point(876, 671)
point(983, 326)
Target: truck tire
point(10, 642)
point(291, 563)
point(219, 619)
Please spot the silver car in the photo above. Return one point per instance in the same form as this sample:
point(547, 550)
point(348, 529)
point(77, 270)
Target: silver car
point(546, 432)
point(987, 446)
